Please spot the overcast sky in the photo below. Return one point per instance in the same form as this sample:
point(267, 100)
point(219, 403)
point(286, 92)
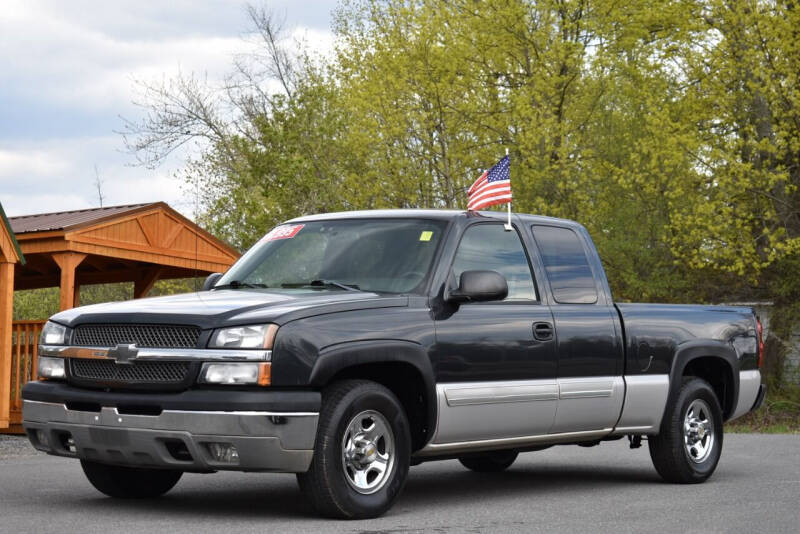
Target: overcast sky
point(66, 71)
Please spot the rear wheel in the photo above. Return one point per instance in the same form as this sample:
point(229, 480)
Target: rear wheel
point(689, 446)
point(130, 482)
point(362, 451)
point(490, 462)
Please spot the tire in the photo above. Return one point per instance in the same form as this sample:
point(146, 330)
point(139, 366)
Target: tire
point(130, 482)
point(491, 462)
point(361, 454)
point(689, 445)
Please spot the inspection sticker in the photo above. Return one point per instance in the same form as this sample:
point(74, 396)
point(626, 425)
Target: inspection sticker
point(286, 231)
point(426, 235)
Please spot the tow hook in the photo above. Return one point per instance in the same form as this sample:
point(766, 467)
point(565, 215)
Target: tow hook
point(635, 441)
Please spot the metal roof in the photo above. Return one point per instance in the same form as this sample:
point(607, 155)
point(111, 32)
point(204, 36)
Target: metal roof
point(64, 220)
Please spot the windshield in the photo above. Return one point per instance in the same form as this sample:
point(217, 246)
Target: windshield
point(384, 256)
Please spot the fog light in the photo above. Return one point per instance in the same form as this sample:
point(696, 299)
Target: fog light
point(223, 452)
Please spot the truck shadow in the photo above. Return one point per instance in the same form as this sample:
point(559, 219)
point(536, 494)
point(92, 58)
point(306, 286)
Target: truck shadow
point(427, 487)
point(458, 485)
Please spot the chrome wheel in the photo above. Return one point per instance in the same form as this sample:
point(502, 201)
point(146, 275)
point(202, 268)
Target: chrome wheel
point(698, 431)
point(368, 452)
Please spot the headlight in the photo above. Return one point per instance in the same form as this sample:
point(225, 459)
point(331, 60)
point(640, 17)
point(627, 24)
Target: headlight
point(259, 336)
point(53, 334)
point(237, 374)
point(51, 367)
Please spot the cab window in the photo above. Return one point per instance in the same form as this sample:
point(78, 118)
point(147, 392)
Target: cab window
point(489, 247)
point(566, 265)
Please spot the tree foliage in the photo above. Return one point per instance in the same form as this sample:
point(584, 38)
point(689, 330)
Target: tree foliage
point(671, 129)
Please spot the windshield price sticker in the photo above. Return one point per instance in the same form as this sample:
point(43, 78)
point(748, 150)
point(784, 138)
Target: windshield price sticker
point(286, 231)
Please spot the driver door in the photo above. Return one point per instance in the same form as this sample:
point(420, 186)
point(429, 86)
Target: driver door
point(495, 379)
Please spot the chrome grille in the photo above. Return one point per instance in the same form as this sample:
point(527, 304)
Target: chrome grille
point(143, 335)
point(138, 373)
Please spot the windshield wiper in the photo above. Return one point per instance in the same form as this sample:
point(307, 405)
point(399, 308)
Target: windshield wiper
point(324, 283)
point(333, 283)
point(236, 284)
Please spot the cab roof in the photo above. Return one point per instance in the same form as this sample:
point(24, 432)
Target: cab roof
point(432, 214)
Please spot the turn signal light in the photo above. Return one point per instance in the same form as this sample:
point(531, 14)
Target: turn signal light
point(264, 374)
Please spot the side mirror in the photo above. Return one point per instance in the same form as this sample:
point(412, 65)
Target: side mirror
point(211, 281)
point(479, 286)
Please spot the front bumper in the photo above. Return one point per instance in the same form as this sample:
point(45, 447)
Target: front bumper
point(278, 441)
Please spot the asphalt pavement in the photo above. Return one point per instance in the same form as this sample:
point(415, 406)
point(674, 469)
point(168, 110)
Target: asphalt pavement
point(563, 489)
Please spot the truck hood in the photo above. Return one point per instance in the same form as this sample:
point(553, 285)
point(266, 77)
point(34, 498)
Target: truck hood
point(214, 309)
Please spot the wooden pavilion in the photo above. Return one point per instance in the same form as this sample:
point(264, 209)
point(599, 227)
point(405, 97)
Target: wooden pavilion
point(10, 255)
point(140, 243)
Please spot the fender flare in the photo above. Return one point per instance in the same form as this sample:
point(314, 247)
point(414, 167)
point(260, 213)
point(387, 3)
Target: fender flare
point(701, 348)
point(340, 357)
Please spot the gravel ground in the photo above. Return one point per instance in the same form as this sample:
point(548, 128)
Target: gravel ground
point(15, 447)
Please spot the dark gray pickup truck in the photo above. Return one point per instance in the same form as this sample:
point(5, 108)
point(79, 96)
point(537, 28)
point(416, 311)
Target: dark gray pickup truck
point(347, 347)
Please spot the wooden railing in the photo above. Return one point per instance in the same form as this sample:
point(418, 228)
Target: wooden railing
point(24, 340)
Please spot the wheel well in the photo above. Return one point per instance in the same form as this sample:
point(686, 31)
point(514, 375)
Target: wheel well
point(406, 382)
point(716, 372)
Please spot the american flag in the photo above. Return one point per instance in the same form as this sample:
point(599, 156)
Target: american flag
point(493, 187)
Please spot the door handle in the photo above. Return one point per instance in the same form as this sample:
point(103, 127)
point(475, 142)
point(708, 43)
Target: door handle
point(542, 331)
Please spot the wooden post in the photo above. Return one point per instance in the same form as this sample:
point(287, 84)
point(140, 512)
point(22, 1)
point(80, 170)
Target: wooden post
point(67, 262)
point(145, 282)
point(6, 312)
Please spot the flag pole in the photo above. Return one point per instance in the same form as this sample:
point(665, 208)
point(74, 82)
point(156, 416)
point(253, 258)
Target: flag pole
point(508, 226)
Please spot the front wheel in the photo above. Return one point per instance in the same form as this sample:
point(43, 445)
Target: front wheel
point(688, 448)
point(362, 451)
point(130, 482)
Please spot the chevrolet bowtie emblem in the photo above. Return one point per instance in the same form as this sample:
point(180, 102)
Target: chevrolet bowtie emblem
point(123, 354)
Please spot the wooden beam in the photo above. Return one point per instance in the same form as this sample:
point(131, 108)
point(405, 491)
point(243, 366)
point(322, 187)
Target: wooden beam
point(146, 231)
point(169, 259)
point(173, 235)
point(67, 262)
point(144, 283)
point(28, 236)
point(38, 246)
point(25, 280)
point(164, 254)
point(6, 316)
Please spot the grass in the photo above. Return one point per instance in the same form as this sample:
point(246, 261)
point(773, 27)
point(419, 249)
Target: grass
point(780, 414)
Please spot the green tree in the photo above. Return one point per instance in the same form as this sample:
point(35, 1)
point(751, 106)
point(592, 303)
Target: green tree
point(670, 129)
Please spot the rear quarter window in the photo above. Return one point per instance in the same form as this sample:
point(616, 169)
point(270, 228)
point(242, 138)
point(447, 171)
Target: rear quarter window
point(566, 265)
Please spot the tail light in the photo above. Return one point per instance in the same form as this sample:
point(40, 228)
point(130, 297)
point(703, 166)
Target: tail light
point(760, 342)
